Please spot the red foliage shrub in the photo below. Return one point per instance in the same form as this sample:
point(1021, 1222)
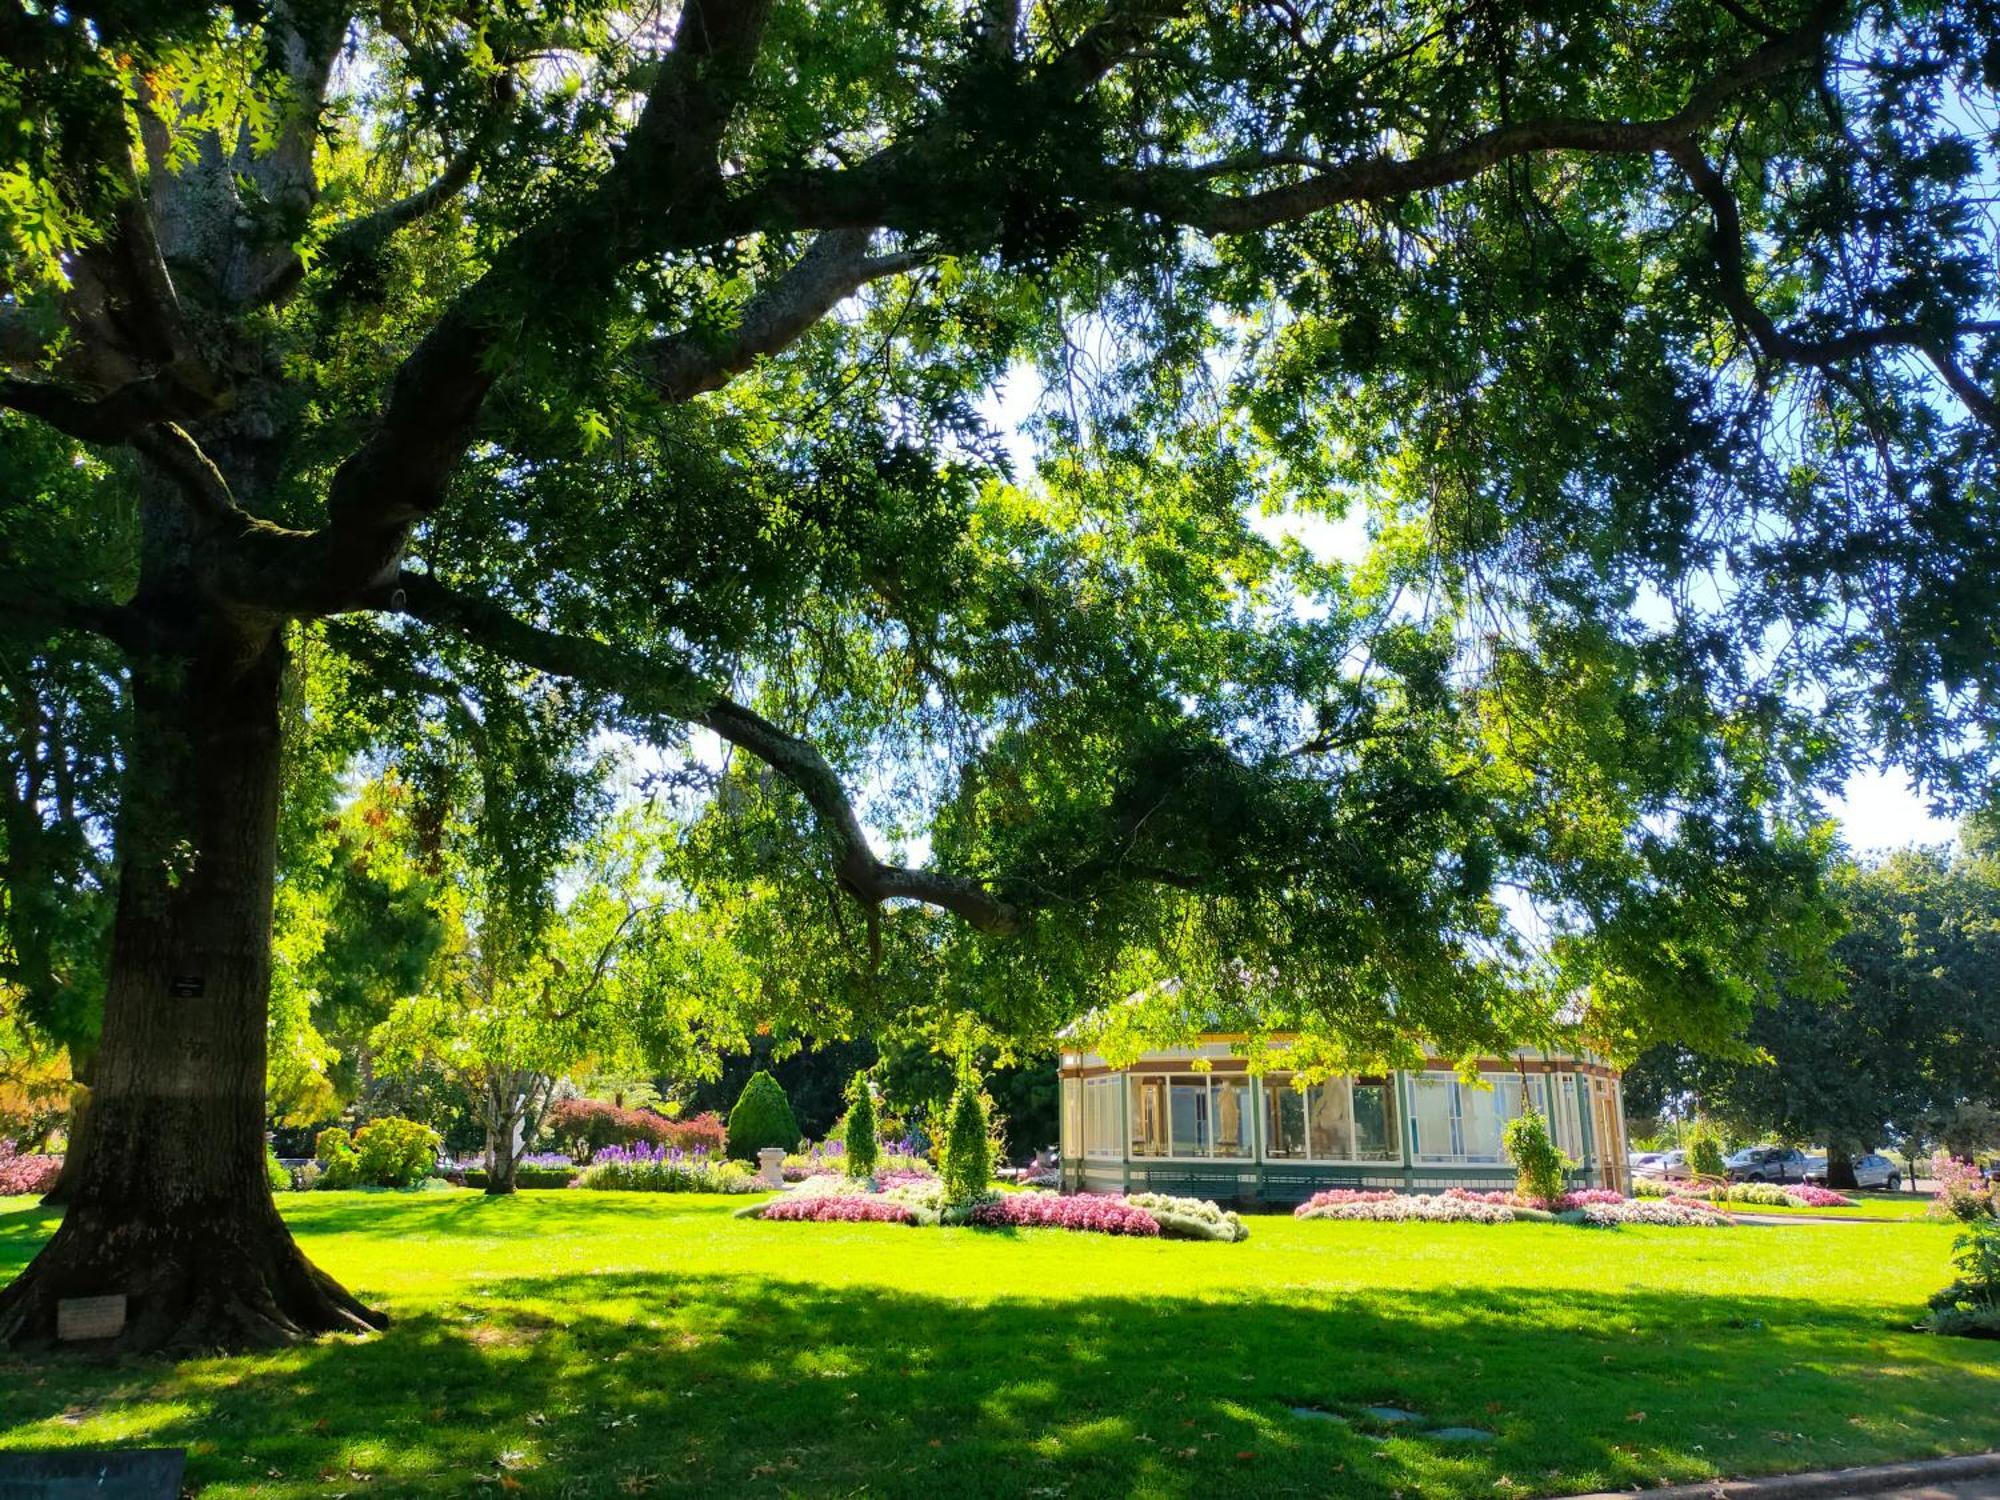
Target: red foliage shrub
point(583, 1127)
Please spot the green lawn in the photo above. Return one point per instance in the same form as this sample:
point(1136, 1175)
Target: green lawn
point(597, 1344)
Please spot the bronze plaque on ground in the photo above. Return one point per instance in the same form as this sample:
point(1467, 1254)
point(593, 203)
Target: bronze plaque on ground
point(131, 1474)
point(79, 1318)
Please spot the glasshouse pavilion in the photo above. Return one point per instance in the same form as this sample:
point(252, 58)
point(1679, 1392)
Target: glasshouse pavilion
point(1160, 1125)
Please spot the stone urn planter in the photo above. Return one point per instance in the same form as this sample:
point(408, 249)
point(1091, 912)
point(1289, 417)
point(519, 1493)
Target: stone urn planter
point(771, 1166)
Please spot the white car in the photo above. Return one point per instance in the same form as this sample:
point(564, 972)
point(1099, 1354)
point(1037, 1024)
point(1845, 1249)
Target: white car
point(1638, 1161)
point(1669, 1166)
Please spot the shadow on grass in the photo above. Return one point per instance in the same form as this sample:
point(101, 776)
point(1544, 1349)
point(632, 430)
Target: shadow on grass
point(622, 1383)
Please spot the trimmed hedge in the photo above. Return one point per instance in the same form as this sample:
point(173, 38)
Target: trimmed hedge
point(526, 1177)
point(762, 1117)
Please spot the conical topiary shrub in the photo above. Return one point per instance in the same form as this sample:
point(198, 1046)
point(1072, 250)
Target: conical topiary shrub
point(966, 1163)
point(862, 1151)
point(762, 1117)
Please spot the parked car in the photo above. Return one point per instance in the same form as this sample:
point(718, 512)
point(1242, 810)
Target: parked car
point(1767, 1164)
point(1639, 1161)
point(1669, 1166)
point(1871, 1171)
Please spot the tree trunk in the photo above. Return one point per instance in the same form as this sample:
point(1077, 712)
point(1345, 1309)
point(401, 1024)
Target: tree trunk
point(1839, 1167)
point(171, 1206)
point(501, 1112)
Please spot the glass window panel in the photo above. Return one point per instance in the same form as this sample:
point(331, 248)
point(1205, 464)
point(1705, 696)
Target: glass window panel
point(1284, 1120)
point(1100, 1118)
point(1479, 1120)
point(1330, 1120)
point(1434, 1114)
point(1148, 1117)
point(1232, 1116)
point(1187, 1100)
point(1375, 1120)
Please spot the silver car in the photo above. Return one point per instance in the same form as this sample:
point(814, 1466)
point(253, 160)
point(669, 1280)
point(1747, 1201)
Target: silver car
point(1871, 1171)
point(1669, 1166)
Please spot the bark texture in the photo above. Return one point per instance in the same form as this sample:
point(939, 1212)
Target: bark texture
point(170, 1205)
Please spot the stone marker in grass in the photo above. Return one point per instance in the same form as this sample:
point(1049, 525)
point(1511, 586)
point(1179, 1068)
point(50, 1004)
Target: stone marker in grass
point(129, 1474)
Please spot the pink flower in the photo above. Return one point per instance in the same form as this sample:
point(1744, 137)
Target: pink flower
point(1819, 1197)
point(1081, 1211)
point(26, 1174)
point(1335, 1196)
point(830, 1208)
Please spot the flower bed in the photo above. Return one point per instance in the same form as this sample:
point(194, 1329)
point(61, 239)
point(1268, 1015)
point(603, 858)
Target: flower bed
point(837, 1208)
point(1599, 1207)
point(1679, 1214)
point(1334, 1197)
point(1190, 1218)
point(664, 1169)
point(1084, 1211)
point(1748, 1194)
point(922, 1203)
point(26, 1173)
point(1393, 1208)
point(1568, 1201)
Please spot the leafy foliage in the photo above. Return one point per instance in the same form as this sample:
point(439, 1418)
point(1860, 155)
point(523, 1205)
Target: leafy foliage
point(394, 1153)
point(1541, 1169)
point(1910, 1039)
point(1970, 1306)
point(965, 1159)
point(762, 1118)
point(1704, 1152)
point(862, 1150)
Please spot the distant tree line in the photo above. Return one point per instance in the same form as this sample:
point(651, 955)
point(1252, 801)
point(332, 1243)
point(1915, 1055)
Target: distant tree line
point(1904, 1054)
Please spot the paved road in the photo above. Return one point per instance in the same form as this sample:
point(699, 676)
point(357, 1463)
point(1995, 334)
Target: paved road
point(1987, 1488)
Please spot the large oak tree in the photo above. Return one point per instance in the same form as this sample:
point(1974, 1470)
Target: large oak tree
point(540, 368)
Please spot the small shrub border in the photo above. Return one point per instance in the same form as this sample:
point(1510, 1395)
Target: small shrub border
point(664, 1169)
point(527, 1177)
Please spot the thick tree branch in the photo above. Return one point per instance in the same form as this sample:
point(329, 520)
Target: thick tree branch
point(1775, 343)
point(1178, 195)
point(669, 164)
point(836, 265)
point(27, 609)
point(674, 690)
point(179, 456)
